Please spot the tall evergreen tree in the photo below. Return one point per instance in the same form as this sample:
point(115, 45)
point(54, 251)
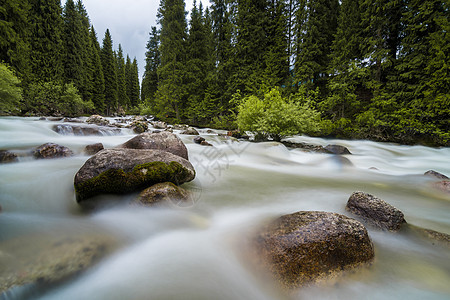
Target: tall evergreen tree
point(46, 40)
point(316, 26)
point(109, 73)
point(98, 80)
point(134, 89)
point(152, 62)
point(171, 94)
point(124, 101)
point(87, 88)
point(73, 46)
point(15, 35)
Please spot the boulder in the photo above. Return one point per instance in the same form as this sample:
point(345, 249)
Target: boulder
point(164, 140)
point(119, 171)
point(436, 175)
point(306, 246)
point(159, 125)
point(68, 129)
point(190, 131)
point(198, 139)
point(93, 148)
point(443, 185)
point(337, 149)
point(139, 126)
point(7, 157)
point(52, 257)
point(96, 119)
point(375, 211)
point(51, 150)
point(165, 192)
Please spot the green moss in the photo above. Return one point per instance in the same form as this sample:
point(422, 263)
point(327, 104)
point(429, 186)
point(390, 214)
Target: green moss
point(117, 181)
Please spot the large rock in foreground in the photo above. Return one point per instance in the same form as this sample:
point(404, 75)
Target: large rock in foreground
point(375, 211)
point(121, 171)
point(164, 140)
point(305, 246)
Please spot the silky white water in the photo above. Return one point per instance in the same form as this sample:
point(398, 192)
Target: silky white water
point(198, 250)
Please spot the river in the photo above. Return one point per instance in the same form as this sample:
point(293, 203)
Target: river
point(196, 251)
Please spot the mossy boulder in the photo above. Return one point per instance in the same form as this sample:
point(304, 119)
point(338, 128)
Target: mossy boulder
point(120, 171)
point(97, 119)
point(164, 140)
point(164, 193)
point(375, 211)
point(304, 247)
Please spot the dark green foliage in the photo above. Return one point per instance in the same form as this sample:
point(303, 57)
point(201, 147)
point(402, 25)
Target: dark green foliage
point(15, 35)
point(171, 95)
point(124, 100)
point(109, 73)
point(133, 84)
point(98, 80)
point(152, 62)
point(46, 40)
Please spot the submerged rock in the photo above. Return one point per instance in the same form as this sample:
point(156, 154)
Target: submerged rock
point(200, 140)
point(337, 149)
point(120, 171)
point(51, 150)
point(96, 119)
point(443, 185)
point(435, 174)
point(93, 148)
point(7, 157)
point(165, 192)
point(164, 141)
point(306, 246)
point(51, 258)
point(375, 211)
point(69, 129)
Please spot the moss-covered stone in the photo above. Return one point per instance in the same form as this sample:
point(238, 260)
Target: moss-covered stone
point(120, 171)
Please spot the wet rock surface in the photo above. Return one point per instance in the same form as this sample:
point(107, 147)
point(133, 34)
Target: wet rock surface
point(437, 175)
point(164, 141)
point(80, 130)
point(303, 247)
point(52, 258)
point(164, 193)
point(51, 150)
point(7, 157)
point(97, 119)
point(337, 149)
point(190, 131)
point(93, 148)
point(375, 211)
point(121, 171)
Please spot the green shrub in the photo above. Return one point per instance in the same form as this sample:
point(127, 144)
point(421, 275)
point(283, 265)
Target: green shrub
point(277, 117)
point(10, 91)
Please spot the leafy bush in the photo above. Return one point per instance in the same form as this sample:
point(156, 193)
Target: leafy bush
point(50, 98)
point(10, 92)
point(277, 117)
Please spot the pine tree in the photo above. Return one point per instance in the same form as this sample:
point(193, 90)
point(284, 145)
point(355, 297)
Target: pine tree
point(152, 62)
point(46, 42)
point(87, 88)
point(134, 84)
point(73, 46)
point(98, 80)
point(15, 35)
point(316, 26)
point(124, 101)
point(109, 73)
point(171, 95)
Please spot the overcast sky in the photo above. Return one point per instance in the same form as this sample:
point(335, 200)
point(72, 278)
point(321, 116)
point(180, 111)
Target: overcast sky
point(129, 22)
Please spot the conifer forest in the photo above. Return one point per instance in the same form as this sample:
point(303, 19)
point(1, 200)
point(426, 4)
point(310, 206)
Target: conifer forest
point(359, 69)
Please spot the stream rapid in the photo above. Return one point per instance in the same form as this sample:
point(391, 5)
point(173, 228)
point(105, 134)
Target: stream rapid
point(197, 251)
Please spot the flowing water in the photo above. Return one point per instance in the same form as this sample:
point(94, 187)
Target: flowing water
point(197, 251)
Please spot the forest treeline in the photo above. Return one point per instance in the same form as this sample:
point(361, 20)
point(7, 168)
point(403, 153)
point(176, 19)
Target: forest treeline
point(372, 69)
point(63, 70)
point(376, 69)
